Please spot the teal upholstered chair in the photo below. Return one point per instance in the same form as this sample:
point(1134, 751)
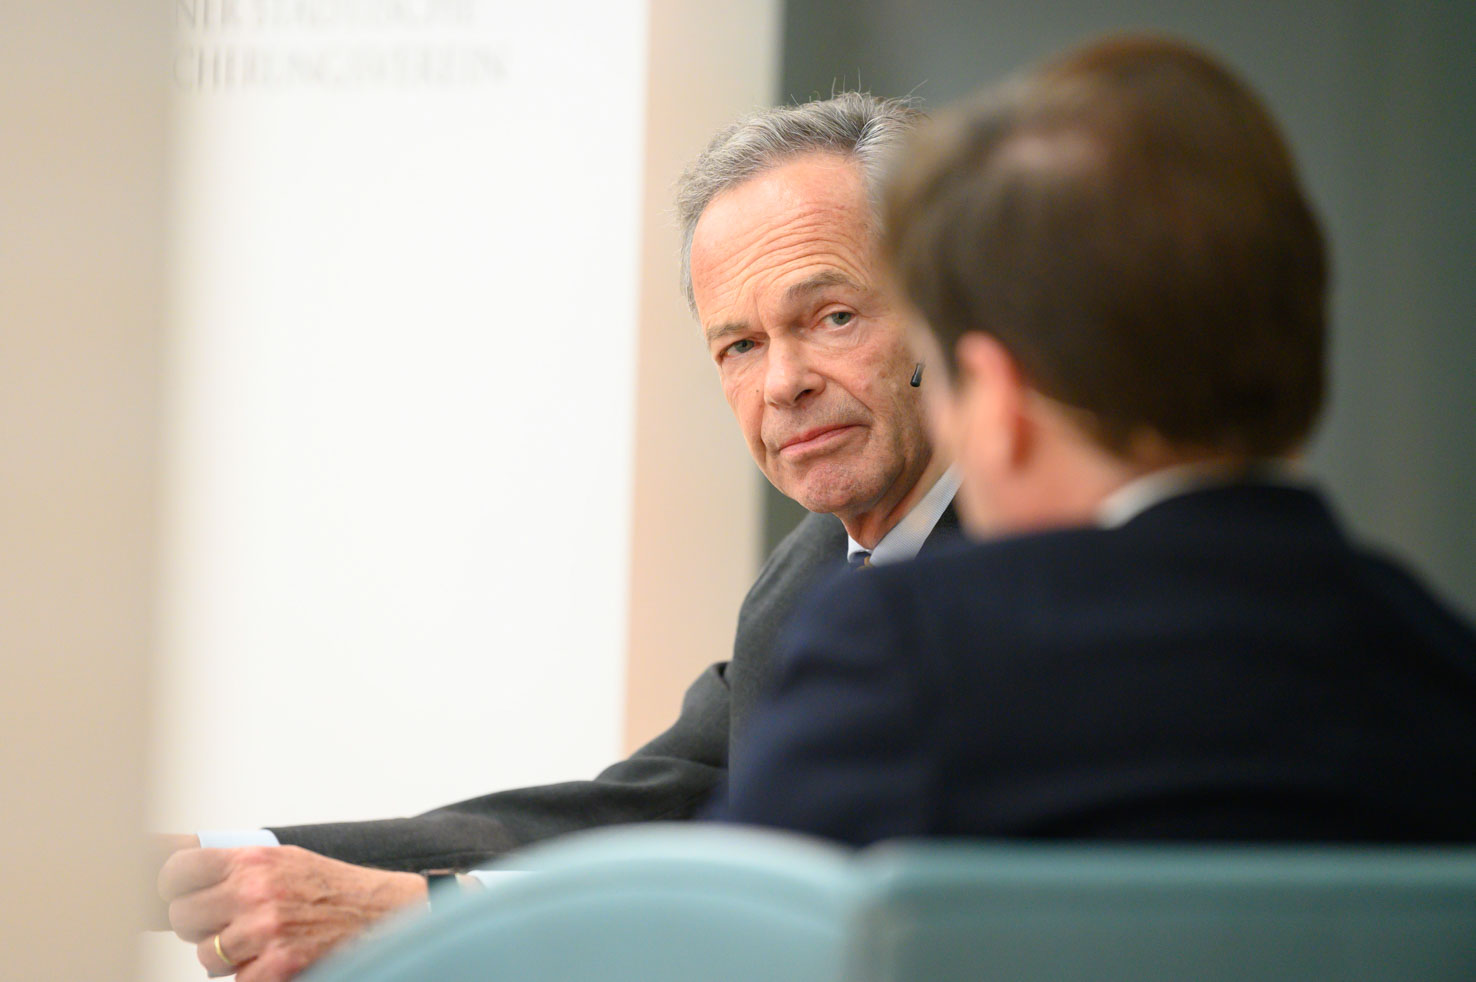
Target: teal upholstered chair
point(659, 903)
point(1032, 912)
point(710, 904)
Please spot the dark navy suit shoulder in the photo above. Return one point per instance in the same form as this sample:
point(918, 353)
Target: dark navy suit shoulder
point(1225, 665)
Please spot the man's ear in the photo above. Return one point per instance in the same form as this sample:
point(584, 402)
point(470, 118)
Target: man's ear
point(995, 396)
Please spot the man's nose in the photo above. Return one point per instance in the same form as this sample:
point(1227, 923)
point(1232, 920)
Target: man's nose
point(790, 375)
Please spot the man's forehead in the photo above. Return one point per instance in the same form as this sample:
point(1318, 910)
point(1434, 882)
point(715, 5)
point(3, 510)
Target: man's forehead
point(787, 232)
point(783, 284)
point(812, 188)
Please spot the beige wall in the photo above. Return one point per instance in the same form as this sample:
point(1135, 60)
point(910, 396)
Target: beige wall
point(82, 110)
point(695, 515)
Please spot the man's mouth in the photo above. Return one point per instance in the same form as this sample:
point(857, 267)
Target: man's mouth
point(814, 439)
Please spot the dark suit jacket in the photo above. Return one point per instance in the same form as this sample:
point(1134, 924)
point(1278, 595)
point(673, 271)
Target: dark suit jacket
point(669, 778)
point(1224, 666)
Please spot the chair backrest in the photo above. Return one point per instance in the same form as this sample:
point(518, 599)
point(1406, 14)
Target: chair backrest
point(661, 903)
point(941, 912)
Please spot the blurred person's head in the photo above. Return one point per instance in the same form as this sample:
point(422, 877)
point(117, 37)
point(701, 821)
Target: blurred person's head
point(781, 266)
point(1121, 273)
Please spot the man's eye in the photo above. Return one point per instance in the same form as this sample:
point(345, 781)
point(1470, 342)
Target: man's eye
point(739, 347)
point(840, 318)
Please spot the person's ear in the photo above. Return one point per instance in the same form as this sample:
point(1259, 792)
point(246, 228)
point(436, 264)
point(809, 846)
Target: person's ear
point(994, 396)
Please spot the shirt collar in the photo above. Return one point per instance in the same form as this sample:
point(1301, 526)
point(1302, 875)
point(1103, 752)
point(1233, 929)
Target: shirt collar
point(1156, 487)
point(906, 538)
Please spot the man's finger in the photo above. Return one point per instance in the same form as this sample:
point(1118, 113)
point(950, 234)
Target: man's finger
point(164, 844)
point(159, 848)
point(193, 869)
point(224, 953)
point(196, 916)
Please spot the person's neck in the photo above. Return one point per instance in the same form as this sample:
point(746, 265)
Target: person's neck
point(1204, 464)
point(871, 526)
point(1074, 494)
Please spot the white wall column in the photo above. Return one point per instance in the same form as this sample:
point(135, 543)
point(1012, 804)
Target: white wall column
point(418, 510)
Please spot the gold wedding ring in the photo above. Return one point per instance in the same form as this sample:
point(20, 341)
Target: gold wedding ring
point(222, 954)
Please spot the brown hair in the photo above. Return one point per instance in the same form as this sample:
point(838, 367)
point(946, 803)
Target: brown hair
point(1128, 223)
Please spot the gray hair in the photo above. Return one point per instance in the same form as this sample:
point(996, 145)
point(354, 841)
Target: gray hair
point(852, 124)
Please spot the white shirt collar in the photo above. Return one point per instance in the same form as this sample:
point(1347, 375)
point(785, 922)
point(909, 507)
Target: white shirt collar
point(1141, 494)
point(906, 538)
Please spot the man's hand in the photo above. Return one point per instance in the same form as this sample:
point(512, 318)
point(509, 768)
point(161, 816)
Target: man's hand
point(276, 910)
point(159, 849)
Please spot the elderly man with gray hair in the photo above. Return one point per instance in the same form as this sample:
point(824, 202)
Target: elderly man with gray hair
point(780, 265)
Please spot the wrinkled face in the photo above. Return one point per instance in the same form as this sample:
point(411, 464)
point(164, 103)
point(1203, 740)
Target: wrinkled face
point(813, 351)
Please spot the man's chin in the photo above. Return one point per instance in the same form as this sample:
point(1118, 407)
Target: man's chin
point(828, 497)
